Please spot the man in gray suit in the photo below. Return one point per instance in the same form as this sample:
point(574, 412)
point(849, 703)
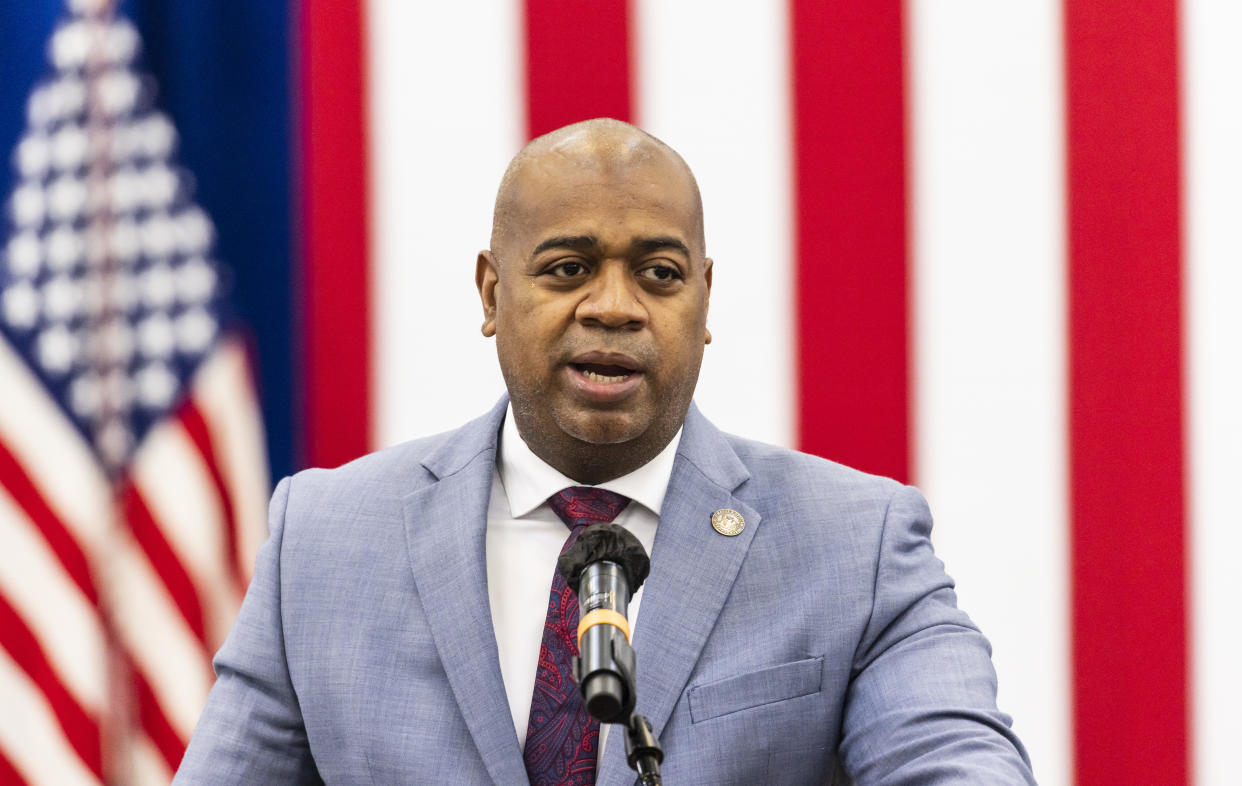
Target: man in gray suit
point(796, 625)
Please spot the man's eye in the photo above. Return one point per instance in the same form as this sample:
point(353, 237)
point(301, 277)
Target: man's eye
point(660, 273)
point(568, 270)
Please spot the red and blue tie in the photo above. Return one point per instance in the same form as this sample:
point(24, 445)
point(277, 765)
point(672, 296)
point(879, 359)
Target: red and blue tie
point(561, 738)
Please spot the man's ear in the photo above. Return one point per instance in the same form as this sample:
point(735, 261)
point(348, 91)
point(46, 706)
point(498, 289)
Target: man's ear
point(486, 275)
point(707, 296)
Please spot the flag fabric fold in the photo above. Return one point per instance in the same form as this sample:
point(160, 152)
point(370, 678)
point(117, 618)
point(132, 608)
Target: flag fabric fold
point(133, 472)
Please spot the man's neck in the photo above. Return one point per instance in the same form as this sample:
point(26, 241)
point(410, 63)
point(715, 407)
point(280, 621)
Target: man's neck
point(592, 464)
point(528, 480)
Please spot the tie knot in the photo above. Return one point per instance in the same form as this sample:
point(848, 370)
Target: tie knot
point(579, 506)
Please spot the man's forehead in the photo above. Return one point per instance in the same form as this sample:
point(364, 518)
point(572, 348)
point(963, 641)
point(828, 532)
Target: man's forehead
point(596, 158)
point(612, 209)
point(552, 183)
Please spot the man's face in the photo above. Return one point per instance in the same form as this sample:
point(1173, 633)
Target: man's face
point(597, 293)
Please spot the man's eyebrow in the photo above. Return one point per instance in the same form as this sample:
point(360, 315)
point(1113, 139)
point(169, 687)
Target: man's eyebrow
point(638, 246)
point(572, 242)
point(647, 245)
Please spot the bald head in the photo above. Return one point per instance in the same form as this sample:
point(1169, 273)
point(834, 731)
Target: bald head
point(603, 146)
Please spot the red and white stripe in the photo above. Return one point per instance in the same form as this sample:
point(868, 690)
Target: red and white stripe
point(990, 248)
point(112, 602)
point(54, 510)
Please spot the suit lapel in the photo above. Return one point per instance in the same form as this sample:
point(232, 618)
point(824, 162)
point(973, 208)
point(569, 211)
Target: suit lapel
point(446, 524)
point(692, 572)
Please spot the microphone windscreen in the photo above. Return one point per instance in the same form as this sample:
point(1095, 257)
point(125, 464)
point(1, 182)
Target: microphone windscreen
point(605, 543)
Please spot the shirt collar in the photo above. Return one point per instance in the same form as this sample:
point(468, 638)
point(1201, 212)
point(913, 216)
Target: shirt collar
point(528, 480)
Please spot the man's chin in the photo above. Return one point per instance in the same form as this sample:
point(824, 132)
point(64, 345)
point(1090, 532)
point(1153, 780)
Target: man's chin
point(603, 428)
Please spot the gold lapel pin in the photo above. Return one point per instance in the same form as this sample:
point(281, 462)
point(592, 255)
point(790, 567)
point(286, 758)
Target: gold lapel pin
point(728, 522)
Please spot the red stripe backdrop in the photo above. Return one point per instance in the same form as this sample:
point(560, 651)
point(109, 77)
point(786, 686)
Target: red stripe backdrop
point(577, 63)
point(333, 200)
point(1126, 441)
point(850, 240)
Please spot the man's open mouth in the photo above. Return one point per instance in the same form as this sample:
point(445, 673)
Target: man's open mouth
point(603, 373)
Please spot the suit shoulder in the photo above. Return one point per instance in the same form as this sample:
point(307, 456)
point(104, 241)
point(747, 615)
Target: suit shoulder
point(399, 464)
point(374, 483)
point(801, 475)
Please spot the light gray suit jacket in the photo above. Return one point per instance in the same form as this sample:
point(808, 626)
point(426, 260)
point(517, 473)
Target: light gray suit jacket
point(824, 637)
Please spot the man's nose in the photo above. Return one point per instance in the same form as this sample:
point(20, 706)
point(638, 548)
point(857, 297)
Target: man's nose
point(613, 299)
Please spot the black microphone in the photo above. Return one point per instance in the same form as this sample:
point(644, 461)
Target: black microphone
point(605, 566)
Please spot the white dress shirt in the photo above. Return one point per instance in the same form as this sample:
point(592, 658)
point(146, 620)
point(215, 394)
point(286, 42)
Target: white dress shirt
point(524, 538)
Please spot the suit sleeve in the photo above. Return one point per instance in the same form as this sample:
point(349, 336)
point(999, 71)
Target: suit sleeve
point(921, 707)
point(251, 730)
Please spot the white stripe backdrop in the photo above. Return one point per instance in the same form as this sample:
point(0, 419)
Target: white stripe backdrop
point(987, 222)
point(1212, 157)
point(987, 252)
point(438, 149)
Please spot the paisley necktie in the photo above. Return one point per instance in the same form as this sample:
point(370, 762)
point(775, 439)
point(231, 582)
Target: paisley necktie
point(561, 738)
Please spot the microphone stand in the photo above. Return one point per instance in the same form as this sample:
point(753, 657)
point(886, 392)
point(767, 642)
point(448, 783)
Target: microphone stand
point(642, 750)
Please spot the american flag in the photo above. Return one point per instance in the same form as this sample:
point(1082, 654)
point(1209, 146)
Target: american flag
point(132, 461)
